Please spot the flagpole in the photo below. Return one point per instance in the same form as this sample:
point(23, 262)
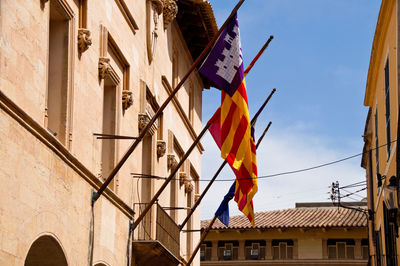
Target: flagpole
point(263, 134)
point(203, 236)
point(172, 175)
point(258, 55)
point(197, 203)
point(162, 107)
point(205, 233)
point(254, 120)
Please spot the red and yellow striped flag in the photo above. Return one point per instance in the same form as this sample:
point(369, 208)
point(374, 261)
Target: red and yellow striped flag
point(231, 126)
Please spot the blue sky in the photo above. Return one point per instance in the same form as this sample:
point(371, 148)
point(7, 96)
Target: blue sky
point(318, 61)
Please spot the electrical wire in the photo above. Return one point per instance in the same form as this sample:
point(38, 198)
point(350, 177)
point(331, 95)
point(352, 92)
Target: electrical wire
point(361, 183)
point(136, 175)
point(354, 193)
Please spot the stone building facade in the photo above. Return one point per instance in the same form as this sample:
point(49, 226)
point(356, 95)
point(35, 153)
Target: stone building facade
point(69, 71)
point(310, 234)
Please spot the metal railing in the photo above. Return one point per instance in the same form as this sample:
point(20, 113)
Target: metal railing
point(167, 231)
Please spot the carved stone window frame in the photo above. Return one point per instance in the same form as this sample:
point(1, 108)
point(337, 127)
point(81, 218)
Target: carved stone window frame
point(84, 34)
point(108, 42)
point(70, 15)
point(147, 108)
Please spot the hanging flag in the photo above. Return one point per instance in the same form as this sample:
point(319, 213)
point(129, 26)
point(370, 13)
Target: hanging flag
point(246, 177)
point(230, 125)
point(223, 210)
point(224, 68)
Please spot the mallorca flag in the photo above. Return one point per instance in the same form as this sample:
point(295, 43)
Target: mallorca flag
point(224, 68)
point(246, 177)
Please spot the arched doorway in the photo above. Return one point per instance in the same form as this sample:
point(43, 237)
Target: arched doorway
point(46, 251)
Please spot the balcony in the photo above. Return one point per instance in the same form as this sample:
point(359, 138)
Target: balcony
point(159, 247)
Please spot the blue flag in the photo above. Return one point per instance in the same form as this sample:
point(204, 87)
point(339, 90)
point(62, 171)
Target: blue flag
point(223, 211)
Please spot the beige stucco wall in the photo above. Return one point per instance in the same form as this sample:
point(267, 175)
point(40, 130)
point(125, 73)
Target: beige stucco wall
point(310, 245)
point(385, 47)
point(41, 190)
point(310, 248)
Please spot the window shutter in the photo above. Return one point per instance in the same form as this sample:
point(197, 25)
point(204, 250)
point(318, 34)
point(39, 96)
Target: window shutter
point(208, 253)
point(331, 252)
point(289, 252)
point(365, 252)
point(235, 253)
point(275, 253)
point(221, 253)
point(262, 253)
point(341, 250)
point(282, 251)
point(350, 252)
point(248, 250)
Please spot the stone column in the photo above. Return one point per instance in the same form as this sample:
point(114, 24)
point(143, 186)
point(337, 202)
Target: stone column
point(241, 255)
point(357, 249)
point(214, 250)
point(295, 249)
point(268, 249)
point(324, 249)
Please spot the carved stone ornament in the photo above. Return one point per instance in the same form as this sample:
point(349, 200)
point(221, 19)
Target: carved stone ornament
point(161, 148)
point(170, 11)
point(188, 186)
point(84, 39)
point(182, 178)
point(158, 5)
point(143, 120)
point(171, 161)
point(104, 67)
point(127, 99)
point(154, 10)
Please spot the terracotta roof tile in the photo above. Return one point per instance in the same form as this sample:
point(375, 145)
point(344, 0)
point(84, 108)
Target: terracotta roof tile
point(297, 218)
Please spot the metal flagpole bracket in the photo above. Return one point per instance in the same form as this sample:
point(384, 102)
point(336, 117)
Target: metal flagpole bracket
point(95, 196)
point(130, 227)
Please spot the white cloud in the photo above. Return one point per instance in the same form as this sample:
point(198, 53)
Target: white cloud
point(286, 150)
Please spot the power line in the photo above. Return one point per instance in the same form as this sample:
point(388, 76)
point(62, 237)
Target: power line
point(135, 175)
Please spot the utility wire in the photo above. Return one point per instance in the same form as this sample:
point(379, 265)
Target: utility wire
point(135, 175)
point(354, 193)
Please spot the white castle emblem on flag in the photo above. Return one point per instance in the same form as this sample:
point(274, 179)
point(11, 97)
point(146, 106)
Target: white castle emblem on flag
point(233, 57)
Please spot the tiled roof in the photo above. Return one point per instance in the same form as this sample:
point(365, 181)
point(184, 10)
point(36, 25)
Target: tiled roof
point(297, 218)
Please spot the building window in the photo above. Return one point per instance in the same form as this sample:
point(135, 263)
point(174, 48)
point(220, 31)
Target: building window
point(57, 87)
point(282, 249)
point(205, 251)
point(228, 250)
point(255, 249)
point(390, 239)
point(341, 248)
point(365, 249)
point(108, 152)
point(387, 105)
